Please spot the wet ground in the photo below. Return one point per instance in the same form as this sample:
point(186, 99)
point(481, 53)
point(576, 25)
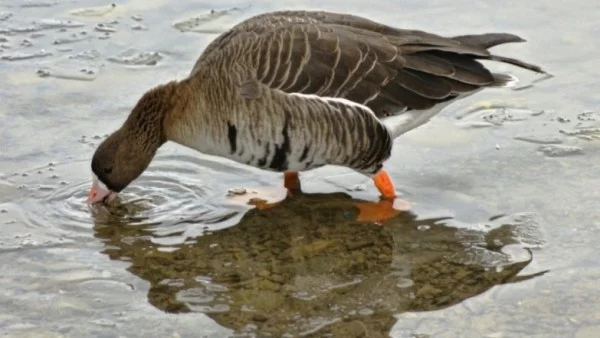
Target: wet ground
point(501, 240)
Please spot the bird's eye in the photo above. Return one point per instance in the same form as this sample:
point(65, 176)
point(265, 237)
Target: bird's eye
point(108, 170)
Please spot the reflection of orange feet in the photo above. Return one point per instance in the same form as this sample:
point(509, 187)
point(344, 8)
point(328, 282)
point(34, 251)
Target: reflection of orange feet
point(382, 211)
point(291, 182)
point(260, 197)
point(261, 204)
point(384, 184)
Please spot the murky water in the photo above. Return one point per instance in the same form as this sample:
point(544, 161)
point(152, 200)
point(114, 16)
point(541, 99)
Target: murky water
point(501, 240)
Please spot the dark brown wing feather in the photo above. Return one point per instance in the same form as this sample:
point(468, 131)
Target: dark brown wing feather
point(340, 55)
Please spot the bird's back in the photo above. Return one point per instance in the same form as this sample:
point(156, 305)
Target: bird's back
point(329, 54)
point(281, 85)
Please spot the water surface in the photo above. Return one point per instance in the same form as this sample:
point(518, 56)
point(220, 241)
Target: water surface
point(501, 239)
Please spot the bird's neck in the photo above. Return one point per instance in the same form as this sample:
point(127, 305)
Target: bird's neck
point(152, 119)
point(195, 121)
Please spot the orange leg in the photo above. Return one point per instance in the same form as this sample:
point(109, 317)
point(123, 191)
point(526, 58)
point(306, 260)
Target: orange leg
point(384, 184)
point(291, 181)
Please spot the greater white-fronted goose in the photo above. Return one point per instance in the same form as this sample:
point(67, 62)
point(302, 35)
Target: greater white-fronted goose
point(295, 90)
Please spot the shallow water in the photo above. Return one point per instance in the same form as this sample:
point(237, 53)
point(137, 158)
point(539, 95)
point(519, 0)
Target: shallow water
point(501, 239)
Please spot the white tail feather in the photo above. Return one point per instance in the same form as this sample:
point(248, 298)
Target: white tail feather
point(409, 120)
point(505, 81)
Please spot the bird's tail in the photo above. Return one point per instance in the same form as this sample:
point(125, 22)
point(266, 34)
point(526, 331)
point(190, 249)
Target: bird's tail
point(489, 40)
point(406, 121)
point(409, 120)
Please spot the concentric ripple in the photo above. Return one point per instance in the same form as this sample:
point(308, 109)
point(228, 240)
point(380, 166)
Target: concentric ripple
point(176, 199)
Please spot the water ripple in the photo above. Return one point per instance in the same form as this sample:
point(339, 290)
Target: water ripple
point(175, 200)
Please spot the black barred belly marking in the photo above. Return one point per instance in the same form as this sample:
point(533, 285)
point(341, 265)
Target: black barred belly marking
point(273, 156)
point(299, 154)
point(282, 151)
point(232, 136)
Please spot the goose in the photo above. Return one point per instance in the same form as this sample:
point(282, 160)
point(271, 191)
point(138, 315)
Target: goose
point(290, 91)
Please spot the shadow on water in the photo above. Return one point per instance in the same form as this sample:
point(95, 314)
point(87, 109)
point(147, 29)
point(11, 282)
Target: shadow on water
point(307, 265)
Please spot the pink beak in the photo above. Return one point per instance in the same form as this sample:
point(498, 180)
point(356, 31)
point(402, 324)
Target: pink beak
point(99, 192)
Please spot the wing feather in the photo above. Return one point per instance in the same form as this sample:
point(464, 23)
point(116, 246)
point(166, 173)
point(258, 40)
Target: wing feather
point(354, 58)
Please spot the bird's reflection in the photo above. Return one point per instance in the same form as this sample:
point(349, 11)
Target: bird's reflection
point(308, 265)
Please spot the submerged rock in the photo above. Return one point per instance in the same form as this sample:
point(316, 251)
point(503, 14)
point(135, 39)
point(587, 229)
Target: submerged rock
point(17, 56)
point(134, 57)
point(560, 150)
